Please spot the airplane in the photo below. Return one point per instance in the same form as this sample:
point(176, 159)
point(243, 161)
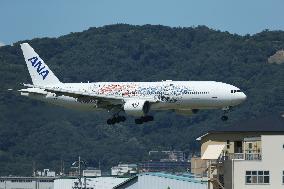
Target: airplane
point(135, 99)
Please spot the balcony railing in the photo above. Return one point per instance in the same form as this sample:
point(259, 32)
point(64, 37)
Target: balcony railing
point(244, 156)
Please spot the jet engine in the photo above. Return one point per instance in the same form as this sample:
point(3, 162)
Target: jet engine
point(136, 107)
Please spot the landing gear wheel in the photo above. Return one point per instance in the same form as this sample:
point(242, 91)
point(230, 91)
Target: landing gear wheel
point(147, 118)
point(109, 121)
point(115, 119)
point(224, 118)
point(144, 119)
point(138, 121)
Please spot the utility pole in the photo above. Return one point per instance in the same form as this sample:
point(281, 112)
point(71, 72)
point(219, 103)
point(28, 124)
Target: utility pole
point(99, 164)
point(79, 162)
point(62, 169)
point(34, 169)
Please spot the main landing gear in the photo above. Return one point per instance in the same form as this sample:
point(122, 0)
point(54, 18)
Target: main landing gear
point(144, 119)
point(116, 119)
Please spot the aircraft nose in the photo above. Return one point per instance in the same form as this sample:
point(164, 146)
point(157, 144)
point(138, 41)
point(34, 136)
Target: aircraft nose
point(242, 97)
point(239, 98)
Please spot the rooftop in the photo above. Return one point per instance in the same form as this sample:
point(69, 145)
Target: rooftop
point(182, 177)
point(266, 124)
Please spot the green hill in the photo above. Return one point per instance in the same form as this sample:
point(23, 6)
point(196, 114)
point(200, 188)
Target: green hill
point(34, 131)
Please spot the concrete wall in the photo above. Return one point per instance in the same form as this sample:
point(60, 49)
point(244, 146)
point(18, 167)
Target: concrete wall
point(272, 160)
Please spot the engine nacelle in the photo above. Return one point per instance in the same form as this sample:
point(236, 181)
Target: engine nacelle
point(136, 107)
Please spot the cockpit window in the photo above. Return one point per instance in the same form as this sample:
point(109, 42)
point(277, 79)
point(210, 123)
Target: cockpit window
point(236, 91)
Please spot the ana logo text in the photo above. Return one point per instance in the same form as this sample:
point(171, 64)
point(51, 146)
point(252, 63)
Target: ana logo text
point(39, 68)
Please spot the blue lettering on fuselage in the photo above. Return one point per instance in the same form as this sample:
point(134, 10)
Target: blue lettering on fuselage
point(36, 63)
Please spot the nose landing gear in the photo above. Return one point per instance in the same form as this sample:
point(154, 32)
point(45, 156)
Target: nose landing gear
point(225, 112)
point(224, 118)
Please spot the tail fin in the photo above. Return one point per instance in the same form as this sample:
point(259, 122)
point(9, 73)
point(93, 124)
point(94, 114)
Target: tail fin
point(40, 73)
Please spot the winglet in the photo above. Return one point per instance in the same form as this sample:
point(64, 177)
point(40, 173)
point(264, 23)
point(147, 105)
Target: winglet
point(40, 73)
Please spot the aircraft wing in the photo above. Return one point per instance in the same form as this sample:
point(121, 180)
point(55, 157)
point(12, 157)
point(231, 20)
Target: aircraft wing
point(84, 95)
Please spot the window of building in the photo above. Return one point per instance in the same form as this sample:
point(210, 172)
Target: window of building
point(257, 177)
point(228, 144)
point(250, 145)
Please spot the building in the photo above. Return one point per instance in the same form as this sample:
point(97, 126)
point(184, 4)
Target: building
point(90, 183)
point(158, 166)
point(92, 172)
point(27, 182)
point(162, 181)
point(169, 155)
point(123, 169)
point(165, 161)
point(249, 155)
point(45, 173)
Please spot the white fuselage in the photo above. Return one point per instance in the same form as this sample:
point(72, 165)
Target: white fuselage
point(175, 95)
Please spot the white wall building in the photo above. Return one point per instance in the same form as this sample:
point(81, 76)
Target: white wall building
point(26, 182)
point(266, 172)
point(92, 173)
point(246, 156)
point(122, 169)
point(45, 173)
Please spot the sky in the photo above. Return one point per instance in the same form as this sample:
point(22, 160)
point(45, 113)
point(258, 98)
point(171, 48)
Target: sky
point(28, 19)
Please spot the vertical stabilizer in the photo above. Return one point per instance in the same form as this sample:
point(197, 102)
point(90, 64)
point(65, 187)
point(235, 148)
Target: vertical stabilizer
point(40, 73)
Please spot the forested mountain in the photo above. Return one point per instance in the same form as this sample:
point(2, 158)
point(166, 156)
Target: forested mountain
point(31, 131)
